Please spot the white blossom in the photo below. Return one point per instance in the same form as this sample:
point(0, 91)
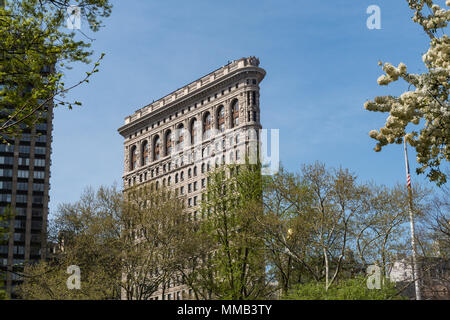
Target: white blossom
point(427, 99)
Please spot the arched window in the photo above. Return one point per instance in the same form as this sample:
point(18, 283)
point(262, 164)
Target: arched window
point(168, 142)
point(193, 131)
point(207, 125)
point(190, 173)
point(133, 158)
point(144, 160)
point(180, 137)
point(235, 114)
point(195, 171)
point(203, 168)
point(156, 148)
point(221, 119)
point(176, 178)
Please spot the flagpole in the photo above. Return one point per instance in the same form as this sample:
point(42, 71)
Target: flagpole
point(413, 233)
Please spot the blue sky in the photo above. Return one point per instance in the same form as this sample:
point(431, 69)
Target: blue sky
point(321, 63)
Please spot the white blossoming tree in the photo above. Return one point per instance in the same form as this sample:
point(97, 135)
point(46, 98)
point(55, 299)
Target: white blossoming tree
point(427, 103)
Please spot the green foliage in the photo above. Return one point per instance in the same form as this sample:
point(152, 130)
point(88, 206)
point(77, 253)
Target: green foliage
point(35, 51)
point(234, 267)
point(125, 246)
point(350, 289)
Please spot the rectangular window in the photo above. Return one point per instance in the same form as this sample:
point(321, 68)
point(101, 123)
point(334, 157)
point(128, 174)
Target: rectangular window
point(6, 148)
point(22, 173)
point(39, 174)
point(6, 172)
point(39, 162)
point(24, 161)
point(5, 197)
point(7, 160)
point(22, 186)
point(21, 198)
point(39, 150)
point(24, 149)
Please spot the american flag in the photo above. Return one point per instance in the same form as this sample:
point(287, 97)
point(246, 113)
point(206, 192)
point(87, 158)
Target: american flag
point(408, 179)
point(408, 175)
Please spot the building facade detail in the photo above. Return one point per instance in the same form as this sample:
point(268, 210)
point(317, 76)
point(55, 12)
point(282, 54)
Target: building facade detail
point(177, 139)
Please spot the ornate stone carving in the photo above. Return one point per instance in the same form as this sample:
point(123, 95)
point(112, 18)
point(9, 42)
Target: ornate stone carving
point(254, 61)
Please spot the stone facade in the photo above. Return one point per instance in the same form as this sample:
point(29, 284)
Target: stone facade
point(177, 139)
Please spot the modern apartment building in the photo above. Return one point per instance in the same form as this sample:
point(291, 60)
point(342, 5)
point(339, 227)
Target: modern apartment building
point(24, 191)
point(177, 139)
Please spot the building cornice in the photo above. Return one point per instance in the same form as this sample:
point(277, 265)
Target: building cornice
point(191, 91)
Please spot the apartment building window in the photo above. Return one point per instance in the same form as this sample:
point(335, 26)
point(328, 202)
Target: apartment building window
point(221, 119)
point(235, 114)
point(21, 198)
point(40, 150)
point(38, 187)
point(156, 148)
point(8, 160)
point(145, 153)
point(39, 174)
point(180, 138)
point(168, 142)
point(6, 172)
point(207, 125)
point(22, 186)
point(133, 156)
point(6, 185)
point(193, 131)
point(22, 173)
point(38, 162)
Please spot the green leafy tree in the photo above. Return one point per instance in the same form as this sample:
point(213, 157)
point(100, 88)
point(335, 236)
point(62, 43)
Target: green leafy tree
point(323, 226)
point(426, 104)
point(350, 289)
point(36, 50)
point(86, 234)
point(234, 265)
point(127, 246)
